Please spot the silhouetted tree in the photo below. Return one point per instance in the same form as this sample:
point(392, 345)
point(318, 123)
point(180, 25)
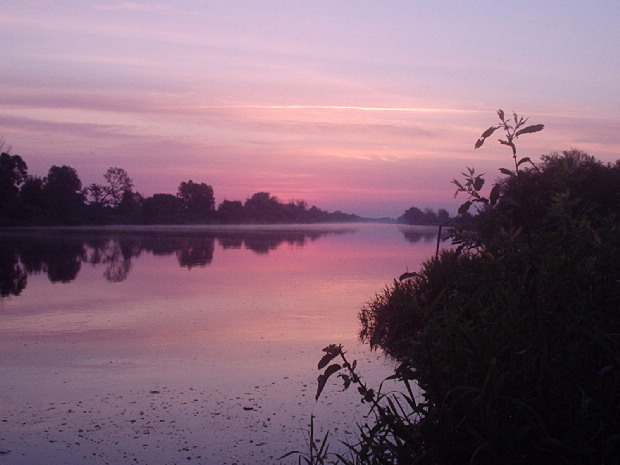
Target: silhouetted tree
point(442, 215)
point(63, 190)
point(163, 209)
point(295, 212)
point(31, 192)
point(32, 204)
point(13, 172)
point(427, 217)
point(60, 199)
point(198, 199)
point(130, 206)
point(231, 211)
point(263, 208)
point(413, 216)
point(111, 194)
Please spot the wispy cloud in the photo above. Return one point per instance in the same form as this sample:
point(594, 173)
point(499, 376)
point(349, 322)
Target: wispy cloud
point(336, 98)
point(344, 107)
point(130, 6)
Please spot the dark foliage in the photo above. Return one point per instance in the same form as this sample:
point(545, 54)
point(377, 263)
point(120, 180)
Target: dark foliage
point(59, 199)
point(198, 199)
point(427, 217)
point(63, 193)
point(163, 209)
point(513, 336)
point(13, 172)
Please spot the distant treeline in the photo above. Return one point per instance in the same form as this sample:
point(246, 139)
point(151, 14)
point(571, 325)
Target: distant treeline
point(61, 199)
point(427, 217)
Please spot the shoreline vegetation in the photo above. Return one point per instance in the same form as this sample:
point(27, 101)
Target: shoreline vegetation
point(59, 199)
point(512, 336)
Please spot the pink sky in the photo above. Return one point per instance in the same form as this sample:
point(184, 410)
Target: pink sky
point(360, 106)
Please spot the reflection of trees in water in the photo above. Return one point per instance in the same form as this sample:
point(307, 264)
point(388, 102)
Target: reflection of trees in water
point(262, 244)
point(415, 235)
point(263, 241)
point(196, 253)
point(190, 250)
point(61, 258)
point(13, 277)
point(64, 260)
point(60, 253)
point(114, 254)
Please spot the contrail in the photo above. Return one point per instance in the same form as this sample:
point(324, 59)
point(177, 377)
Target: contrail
point(339, 107)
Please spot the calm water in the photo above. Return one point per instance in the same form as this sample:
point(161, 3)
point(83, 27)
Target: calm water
point(184, 345)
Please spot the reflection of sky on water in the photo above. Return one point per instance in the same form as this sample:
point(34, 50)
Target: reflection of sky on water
point(213, 312)
point(61, 253)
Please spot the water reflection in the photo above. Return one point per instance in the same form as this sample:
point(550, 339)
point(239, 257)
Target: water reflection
point(13, 278)
point(243, 328)
point(416, 236)
point(60, 253)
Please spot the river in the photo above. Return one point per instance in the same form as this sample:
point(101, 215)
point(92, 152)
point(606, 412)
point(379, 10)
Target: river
point(196, 344)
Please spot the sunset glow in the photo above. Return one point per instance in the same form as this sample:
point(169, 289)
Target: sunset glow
point(368, 108)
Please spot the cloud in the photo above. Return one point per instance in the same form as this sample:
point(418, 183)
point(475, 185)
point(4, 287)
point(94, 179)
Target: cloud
point(85, 130)
point(130, 6)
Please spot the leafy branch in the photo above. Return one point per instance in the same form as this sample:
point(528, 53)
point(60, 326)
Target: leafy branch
point(513, 128)
point(472, 185)
point(391, 438)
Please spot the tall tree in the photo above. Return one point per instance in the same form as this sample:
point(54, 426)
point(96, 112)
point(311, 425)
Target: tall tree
point(163, 209)
point(130, 206)
point(198, 199)
point(63, 190)
point(111, 194)
point(263, 208)
point(231, 211)
point(31, 192)
point(13, 172)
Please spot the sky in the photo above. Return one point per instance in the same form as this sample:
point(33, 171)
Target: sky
point(368, 107)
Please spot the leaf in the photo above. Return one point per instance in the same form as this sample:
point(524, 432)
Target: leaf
point(403, 372)
point(369, 396)
point(478, 183)
point(331, 352)
point(489, 132)
point(494, 195)
point(322, 379)
point(500, 113)
point(524, 160)
point(463, 208)
point(409, 274)
point(479, 143)
point(530, 129)
point(326, 359)
point(506, 172)
point(346, 381)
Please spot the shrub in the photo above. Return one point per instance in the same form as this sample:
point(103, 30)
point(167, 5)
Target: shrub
point(514, 335)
